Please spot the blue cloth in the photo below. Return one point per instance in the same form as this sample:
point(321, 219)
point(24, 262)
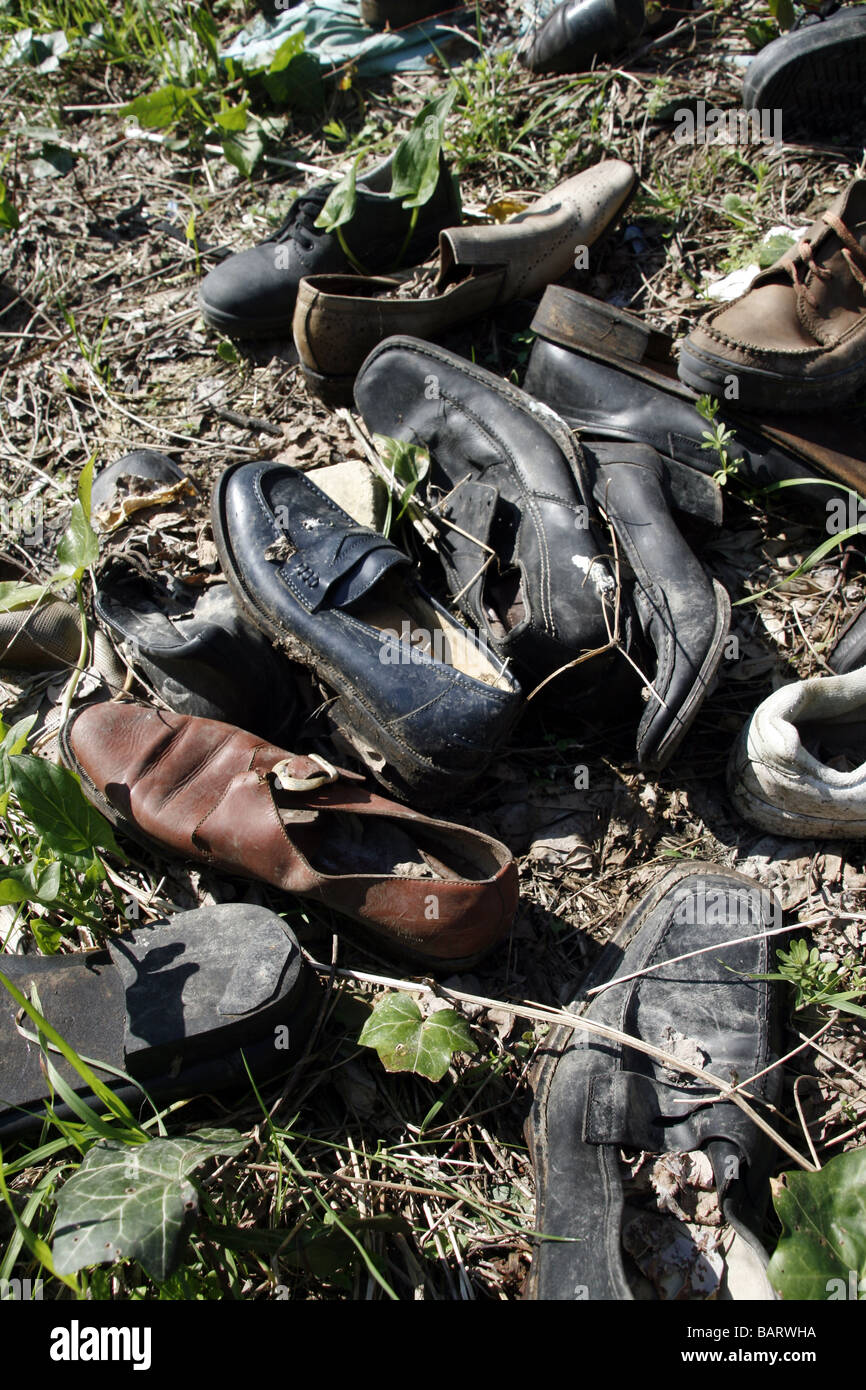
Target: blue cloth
point(335, 34)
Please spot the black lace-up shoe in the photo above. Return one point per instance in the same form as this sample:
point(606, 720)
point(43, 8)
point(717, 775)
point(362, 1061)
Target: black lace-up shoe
point(252, 294)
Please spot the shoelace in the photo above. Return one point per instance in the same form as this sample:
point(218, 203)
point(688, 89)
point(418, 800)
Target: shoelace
point(852, 253)
point(302, 217)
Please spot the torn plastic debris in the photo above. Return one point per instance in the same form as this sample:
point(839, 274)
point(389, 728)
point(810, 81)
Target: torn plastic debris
point(731, 286)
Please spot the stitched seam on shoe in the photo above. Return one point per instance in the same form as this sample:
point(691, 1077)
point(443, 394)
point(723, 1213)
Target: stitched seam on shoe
point(221, 799)
point(742, 345)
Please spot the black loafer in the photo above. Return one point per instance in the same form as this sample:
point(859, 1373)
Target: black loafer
point(147, 464)
point(252, 294)
point(418, 697)
point(198, 652)
point(580, 30)
point(509, 483)
point(594, 1097)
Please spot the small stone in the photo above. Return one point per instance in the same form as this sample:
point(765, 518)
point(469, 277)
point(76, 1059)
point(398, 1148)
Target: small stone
point(354, 488)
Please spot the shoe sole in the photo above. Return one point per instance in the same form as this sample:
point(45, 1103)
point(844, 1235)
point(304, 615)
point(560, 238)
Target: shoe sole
point(332, 391)
point(824, 60)
point(760, 389)
point(234, 327)
point(405, 774)
point(359, 933)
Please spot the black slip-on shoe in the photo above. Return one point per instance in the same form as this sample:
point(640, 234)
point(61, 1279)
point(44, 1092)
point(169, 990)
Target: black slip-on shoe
point(198, 652)
point(143, 468)
point(814, 74)
point(611, 376)
point(183, 1007)
point(424, 704)
point(252, 294)
point(595, 1096)
point(521, 553)
point(685, 615)
point(578, 31)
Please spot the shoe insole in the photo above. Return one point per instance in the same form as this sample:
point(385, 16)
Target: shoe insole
point(342, 842)
point(392, 609)
point(840, 744)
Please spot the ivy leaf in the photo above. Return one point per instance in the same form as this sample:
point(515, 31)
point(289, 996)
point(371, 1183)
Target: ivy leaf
point(29, 883)
point(406, 1041)
point(232, 117)
point(52, 798)
point(131, 1202)
point(14, 594)
point(341, 202)
point(823, 1238)
point(14, 740)
point(416, 158)
point(160, 109)
point(244, 148)
point(79, 544)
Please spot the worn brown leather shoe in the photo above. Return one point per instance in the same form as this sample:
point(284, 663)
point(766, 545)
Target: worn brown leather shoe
point(796, 340)
point(340, 319)
point(429, 891)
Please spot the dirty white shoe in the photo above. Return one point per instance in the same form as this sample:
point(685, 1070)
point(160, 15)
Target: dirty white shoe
point(799, 767)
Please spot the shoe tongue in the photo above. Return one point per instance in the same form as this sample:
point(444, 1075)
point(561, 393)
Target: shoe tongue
point(304, 205)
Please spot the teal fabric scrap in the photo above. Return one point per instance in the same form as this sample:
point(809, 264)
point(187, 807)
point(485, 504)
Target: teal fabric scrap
point(335, 34)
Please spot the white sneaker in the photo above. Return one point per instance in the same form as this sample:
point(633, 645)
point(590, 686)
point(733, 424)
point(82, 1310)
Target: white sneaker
point(777, 783)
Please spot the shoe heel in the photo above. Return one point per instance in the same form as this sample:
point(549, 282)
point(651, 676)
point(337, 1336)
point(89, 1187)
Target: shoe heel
point(332, 391)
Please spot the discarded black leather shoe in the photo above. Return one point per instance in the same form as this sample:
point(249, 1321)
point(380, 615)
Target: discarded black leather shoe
point(117, 479)
point(685, 615)
point(521, 553)
point(612, 377)
point(423, 703)
point(815, 74)
point(186, 1006)
point(580, 30)
point(849, 652)
point(252, 294)
point(594, 1096)
point(198, 652)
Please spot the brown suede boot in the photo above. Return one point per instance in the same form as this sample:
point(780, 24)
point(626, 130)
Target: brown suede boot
point(796, 340)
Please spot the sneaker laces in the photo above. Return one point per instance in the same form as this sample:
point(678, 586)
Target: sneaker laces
point(852, 253)
point(302, 217)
